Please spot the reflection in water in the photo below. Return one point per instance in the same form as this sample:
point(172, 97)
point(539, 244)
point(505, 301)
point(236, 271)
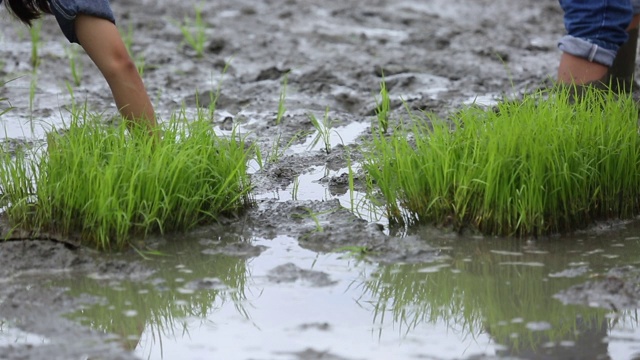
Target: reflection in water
point(503, 289)
point(484, 298)
point(187, 284)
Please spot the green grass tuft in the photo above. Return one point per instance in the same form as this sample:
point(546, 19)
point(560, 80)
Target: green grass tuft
point(108, 185)
point(537, 166)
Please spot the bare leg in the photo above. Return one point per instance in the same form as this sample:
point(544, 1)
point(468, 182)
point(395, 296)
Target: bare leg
point(576, 70)
point(102, 42)
point(579, 71)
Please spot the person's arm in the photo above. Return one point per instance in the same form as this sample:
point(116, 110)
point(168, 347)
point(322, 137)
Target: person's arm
point(102, 42)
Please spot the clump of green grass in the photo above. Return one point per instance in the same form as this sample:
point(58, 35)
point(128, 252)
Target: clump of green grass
point(108, 185)
point(537, 166)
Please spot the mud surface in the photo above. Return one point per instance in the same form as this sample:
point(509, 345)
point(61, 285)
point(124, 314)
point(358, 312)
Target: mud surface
point(435, 55)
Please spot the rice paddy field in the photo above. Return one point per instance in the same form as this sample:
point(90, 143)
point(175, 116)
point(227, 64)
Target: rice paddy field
point(336, 180)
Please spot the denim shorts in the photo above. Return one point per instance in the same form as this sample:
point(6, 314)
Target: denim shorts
point(596, 28)
point(66, 11)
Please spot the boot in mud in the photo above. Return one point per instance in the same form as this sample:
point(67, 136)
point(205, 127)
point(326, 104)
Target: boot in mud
point(621, 73)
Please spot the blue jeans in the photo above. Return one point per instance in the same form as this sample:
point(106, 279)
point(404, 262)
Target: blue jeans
point(596, 28)
point(66, 11)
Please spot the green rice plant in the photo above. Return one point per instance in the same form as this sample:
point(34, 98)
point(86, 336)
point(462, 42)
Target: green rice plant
point(278, 149)
point(139, 60)
point(127, 38)
point(309, 213)
point(5, 100)
point(74, 64)
point(323, 131)
point(383, 107)
point(258, 153)
point(194, 32)
point(352, 197)
point(5, 110)
point(33, 88)
point(295, 188)
point(107, 185)
point(358, 253)
point(213, 97)
point(281, 106)
point(35, 31)
point(537, 166)
point(141, 64)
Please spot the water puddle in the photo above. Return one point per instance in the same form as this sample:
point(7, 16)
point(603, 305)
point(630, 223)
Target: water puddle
point(257, 298)
point(483, 100)
point(13, 337)
point(344, 135)
point(313, 183)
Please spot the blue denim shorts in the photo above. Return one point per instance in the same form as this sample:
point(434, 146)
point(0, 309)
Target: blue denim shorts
point(596, 28)
point(66, 11)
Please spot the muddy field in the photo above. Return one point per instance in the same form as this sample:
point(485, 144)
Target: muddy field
point(436, 55)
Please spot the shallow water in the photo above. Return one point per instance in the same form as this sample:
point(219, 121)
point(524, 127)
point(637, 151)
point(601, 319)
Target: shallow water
point(11, 336)
point(275, 300)
point(269, 292)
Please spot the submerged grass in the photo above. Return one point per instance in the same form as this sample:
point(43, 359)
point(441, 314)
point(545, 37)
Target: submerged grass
point(537, 166)
point(108, 184)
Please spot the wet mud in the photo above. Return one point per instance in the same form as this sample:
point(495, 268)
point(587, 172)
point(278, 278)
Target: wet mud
point(434, 56)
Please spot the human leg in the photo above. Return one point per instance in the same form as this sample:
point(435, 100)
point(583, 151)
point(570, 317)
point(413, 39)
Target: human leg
point(91, 23)
point(595, 31)
point(102, 42)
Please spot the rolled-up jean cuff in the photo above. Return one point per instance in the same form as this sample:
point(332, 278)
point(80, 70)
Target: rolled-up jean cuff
point(586, 50)
point(636, 6)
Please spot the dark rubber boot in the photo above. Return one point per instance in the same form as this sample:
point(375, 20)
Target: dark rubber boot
point(624, 66)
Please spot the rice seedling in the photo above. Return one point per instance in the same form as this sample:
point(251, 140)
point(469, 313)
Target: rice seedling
point(5, 110)
point(35, 31)
point(8, 107)
point(538, 166)
point(33, 88)
point(138, 59)
point(258, 153)
point(278, 149)
point(194, 32)
point(357, 253)
point(106, 185)
point(383, 107)
point(295, 188)
point(323, 131)
point(309, 213)
point(74, 64)
point(127, 38)
point(281, 106)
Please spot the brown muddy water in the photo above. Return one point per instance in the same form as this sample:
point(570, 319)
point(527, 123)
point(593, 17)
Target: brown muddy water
point(313, 270)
